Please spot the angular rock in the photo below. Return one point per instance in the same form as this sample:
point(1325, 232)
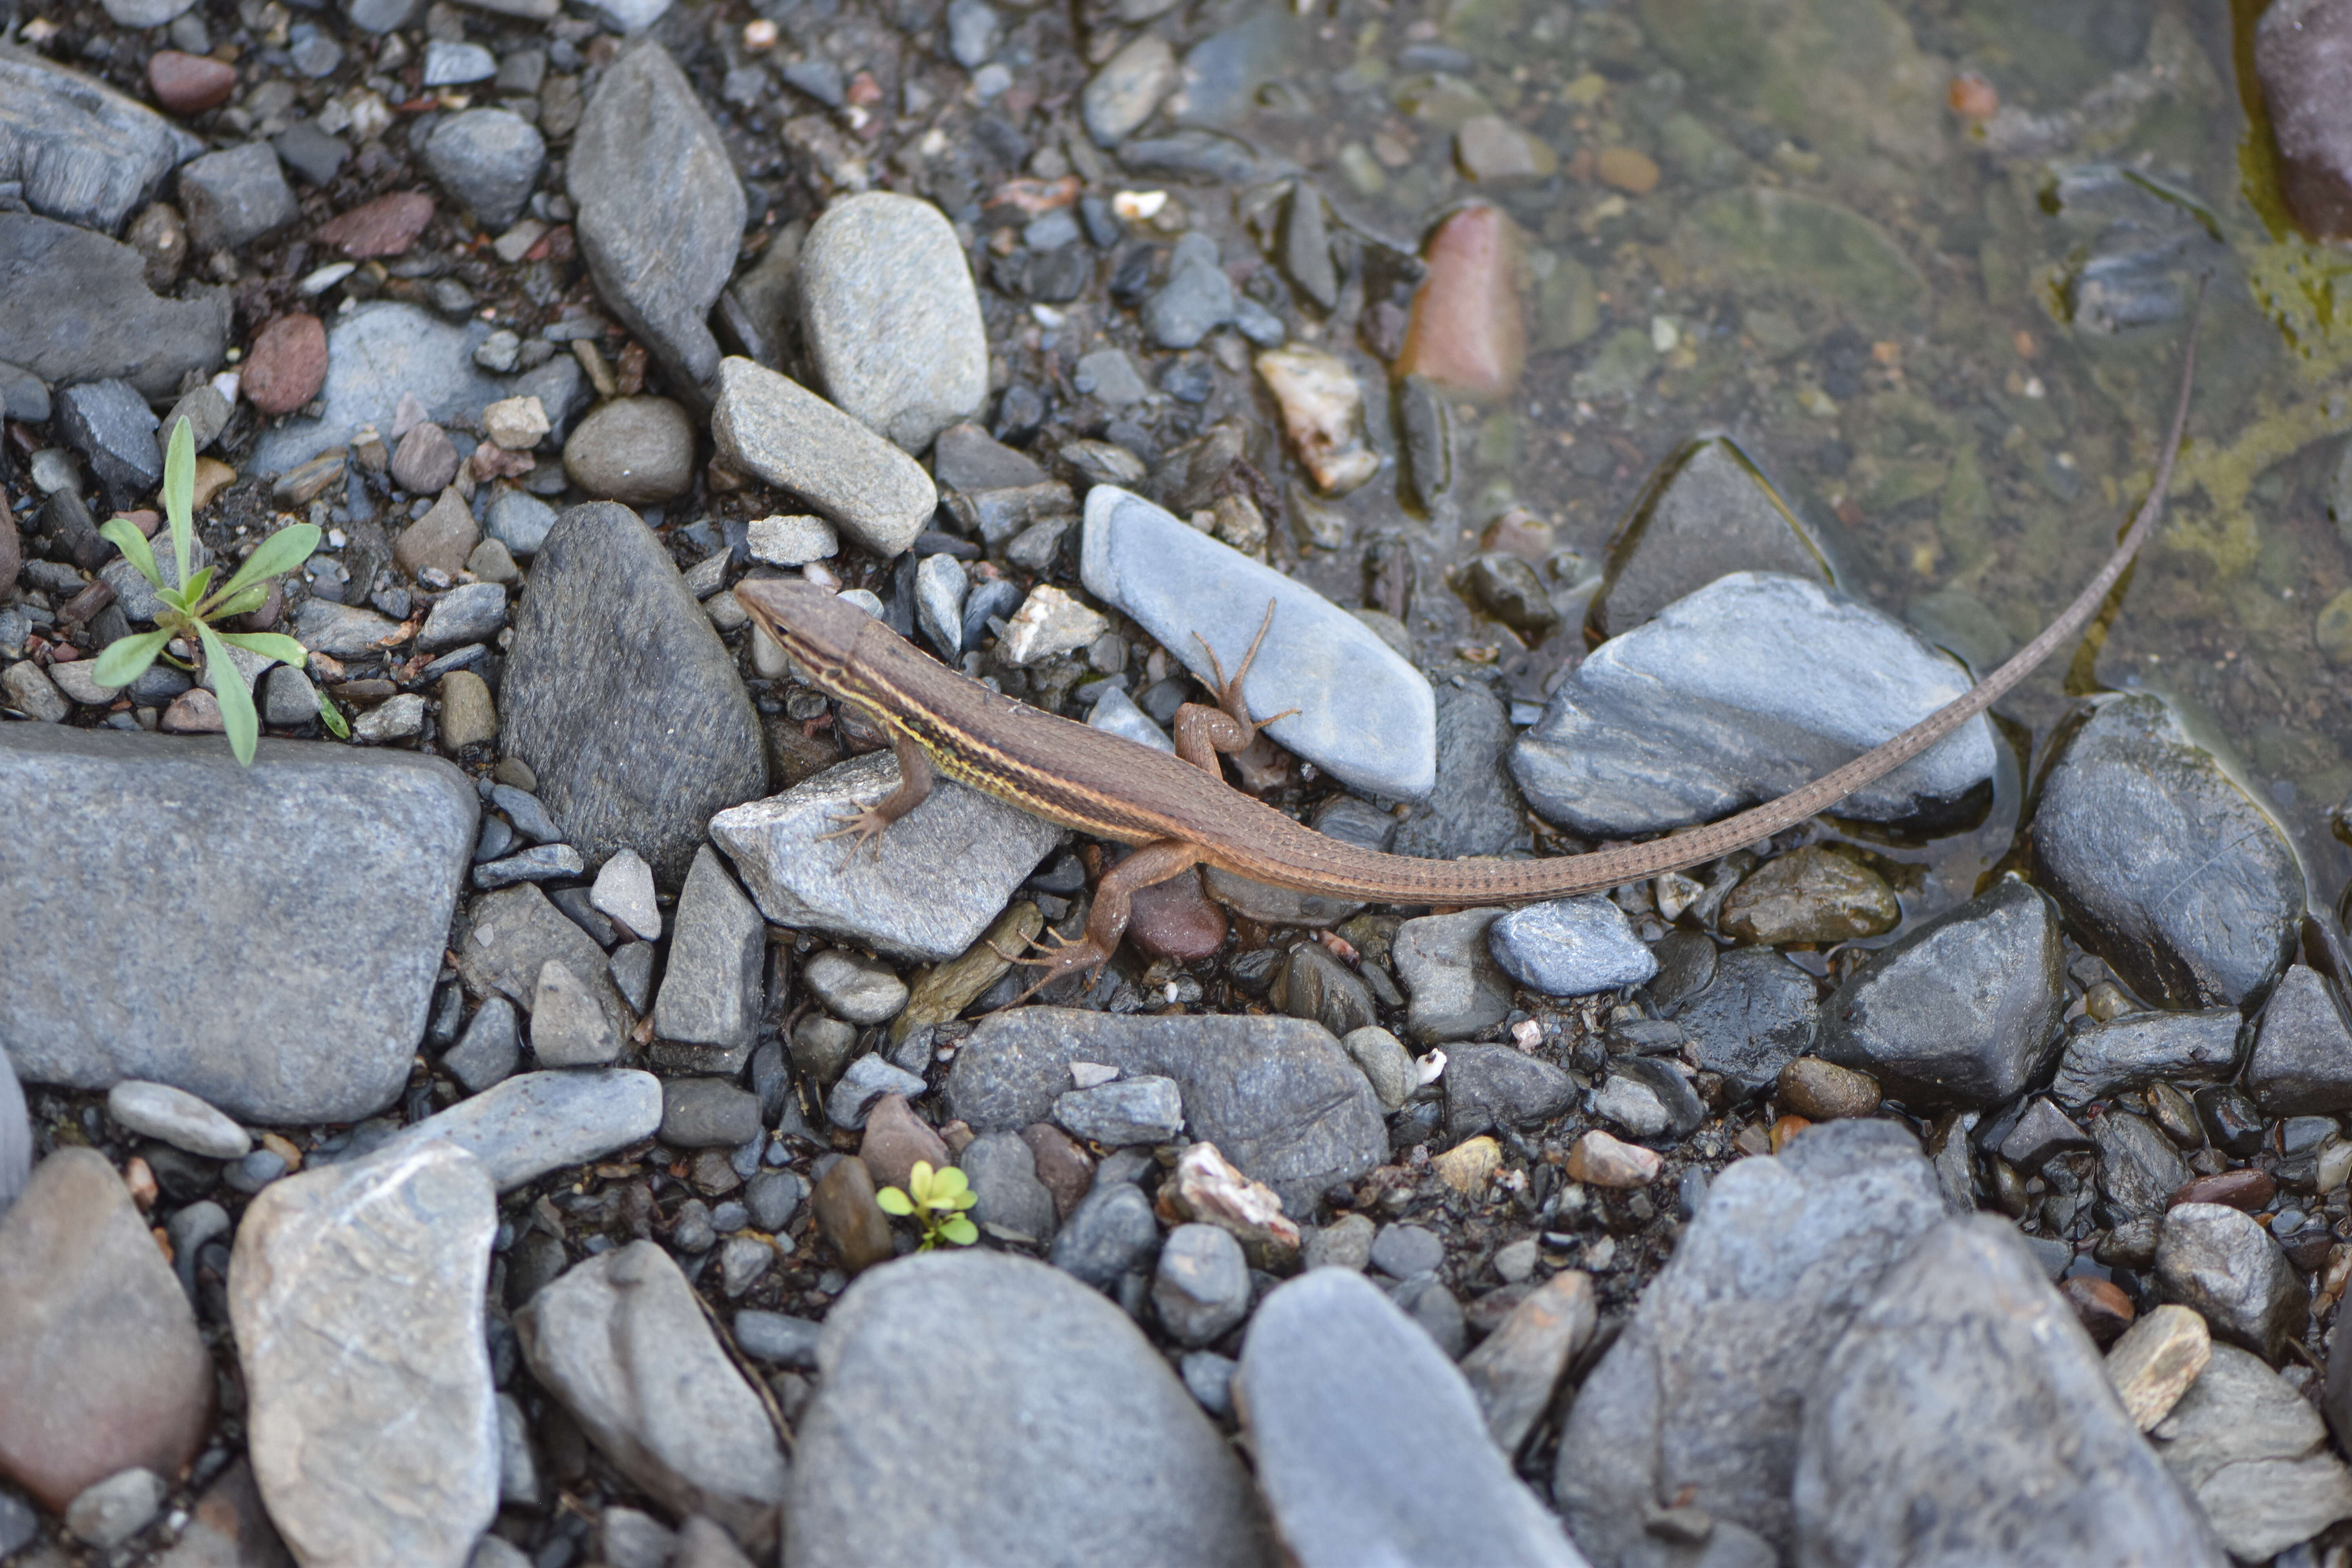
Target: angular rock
point(712, 993)
point(622, 699)
point(490, 1048)
point(2138, 1166)
point(1129, 1110)
point(526, 1126)
point(511, 937)
point(889, 317)
point(1501, 1086)
point(1276, 1095)
point(177, 857)
point(234, 197)
point(1709, 511)
point(80, 310)
point(2254, 1454)
point(1201, 1284)
point(1014, 1205)
point(488, 158)
point(770, 424)
point(110, 423)
point(1447, 968)
point(2164, 866)
point(356, 1294)
point(1759, 1012)
point(2102, 1060)
point(1514, 1370)
point(2302, 1061)
point(1571, 947)
point(853, 988)
point(2219, 1260)
point(2156, 1359)
point(621, 1341)
point(84, 153)
point(570, 1027)
point(1474, 809)
point(1127, 1462)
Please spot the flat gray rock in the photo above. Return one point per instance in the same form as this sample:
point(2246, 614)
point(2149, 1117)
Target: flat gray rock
point(1369, 1446)
point(1701, 1397)
point(1077, 1445)
point(2164, 866)
point(772, 425)
point(1967, 1417)
point(79, 308)
point(234, 197)
point(711, 991)
point(178, 1118)
point(1709, 511)
point(488, 158)
point(889, 317)
point(356, 1293)
point(1276, 1095)
point(621, 1340)
point(1738, 693)
point(524, 1126)
point(2254, 1454)
point(1013, 1205)
point(511, 935)
point(660, 209)
point(84, 153)
point(1501, 1086)
point(925, 890)
point(1366, 715)
point(15, 1137)
point(2102, 1060)
point(622, 699)
point(264, 938)
point(1571, 947)
point(1757, 1013)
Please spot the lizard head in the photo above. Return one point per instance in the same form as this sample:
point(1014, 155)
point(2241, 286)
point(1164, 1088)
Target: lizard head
point(810, 623)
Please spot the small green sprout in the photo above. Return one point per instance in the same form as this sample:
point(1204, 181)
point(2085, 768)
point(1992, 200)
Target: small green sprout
point(190, 609)
point(937, 1201)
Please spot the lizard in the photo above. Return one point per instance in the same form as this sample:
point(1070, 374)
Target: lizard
point(1179, 811)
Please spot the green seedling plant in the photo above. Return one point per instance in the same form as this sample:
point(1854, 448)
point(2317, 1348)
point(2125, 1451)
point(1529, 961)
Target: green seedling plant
point(192, 610)
point(936, 1200)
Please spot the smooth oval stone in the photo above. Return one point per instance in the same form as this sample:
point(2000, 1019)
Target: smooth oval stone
point(890, 316)
point(1468, 334)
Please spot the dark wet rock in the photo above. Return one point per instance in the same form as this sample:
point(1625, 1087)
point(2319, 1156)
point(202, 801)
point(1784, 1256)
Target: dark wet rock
point(1812, 894)
point(1370, 1446)
point(98, 1350)
point(1500, 1086)
point(2302, 1061)
point(1758, 1014)
point(2219, 1260)
point(1701, 1398)
point(109, 423)
point(84, 153)
point(622, 699)
point(2302, 56)
point(2138, 1166)
point(1738, 693)
point(2254, 1454)
point(889, 317)
point(80, 310)
point(2040, 1133)
point(2102, 1060)
point(488, 158)
point(660, 210)
point(1445, 962)
point(1961, 1010)
point(1127, 1462)
point(2164, 866)
point(2045, 1467)
point(1276, 1095)
point(353, 859)
point(1474, 809)
point(1708, 512)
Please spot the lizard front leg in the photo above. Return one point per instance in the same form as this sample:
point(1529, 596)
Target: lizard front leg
point(915, 779)
point(1107, 921)
point(1203, 732)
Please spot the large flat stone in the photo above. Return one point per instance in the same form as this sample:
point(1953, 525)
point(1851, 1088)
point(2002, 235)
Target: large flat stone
point(84, 153)
point(79, 310)
point(266, 938)
point(772, 425)
point(523, 1127)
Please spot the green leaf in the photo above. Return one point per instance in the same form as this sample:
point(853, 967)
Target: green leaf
point(180, 491)
point(948, 1183)
point(269, 645)
point(127, 658)
point(332, 717)
point(237, 717)
point(281, 552)
point(918, 1183)
point(121, 533)
point(960, 1231)
point(192, 591)
point(958, 1201)
point(173, 600)
point(895, 1202)
point(225, 604)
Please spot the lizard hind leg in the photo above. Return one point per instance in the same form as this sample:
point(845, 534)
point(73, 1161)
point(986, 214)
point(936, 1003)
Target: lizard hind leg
point(1107, 920)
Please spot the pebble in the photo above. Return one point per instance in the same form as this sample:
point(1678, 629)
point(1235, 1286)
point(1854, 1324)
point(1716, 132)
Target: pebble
point(1127, 89)
point(850, 1219)
point(659, 210)
point(1014, 1205)
point(235, 197)
point(622, 1341)
point(1402, 1251)
point(853, 988)
point(2299, 55)
point(1747, 688)
point(1143, 1110)
point(768, 425)
point(1201, 1284)
point(621, 699)
point(1571, 947)
point(1823, 1091)
point(34, 694)
point(1493, 152)
point(1386, 1063)
point(86, 313)
point(624, 891)
point(638, 451)
point(178, 1118)
point(712, 990)
point(387, 225)
point(1516, 1369)
point(1446, 964)
point(108, 1512)
point(1467, 336)
point(488, 161)
point(286, 366)
point(515, 423)
point(865, 1081)
point(966, 457)
point(98, 1350)
point(356, 1295)
point(1197, 298)
point(1369, 1446)
point(1049, 622)
point(489, 1049)
point(2157, 1359)
point(84, 153)
point(441, 540)
point(926, 889)
point(470, 612)
point(1812, 894)
point(1501, 1086)
point(792, 540)
point(707, 1113)
point(570, 1021)
point(2255, 1456)
point(1128, 1457)
point(2162, 864)
point(520, 521)
point(110, 424)
point(1323, 412)
point(450, 62)
point(774, 1337)
point(890, 318)
point(896, 1140)
point(2133, 1052)
point(2218, 1260)
point(1712, 514)
point(1605, 1162)
point(1109, 1235)
point(366, 919)
point(2301, 1064)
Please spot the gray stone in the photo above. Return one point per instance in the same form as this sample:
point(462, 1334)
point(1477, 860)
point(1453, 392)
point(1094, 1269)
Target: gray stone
point(1515, 1370)
point(974, 29)
point(84, 153)
point(1209, 1378)
point(622, 699)
point(1014, 1205)
point(2044, 1467)
point(638, 451)
point(1571, 947)
point(711, 992)
point(926, 889)
point(520, 520)
point(2254, 1454)
point(98, 1350)
point(1277, 1096)
point(1447, 968)
point(862, 1082)
point(1738, 693)
point(774, 1337)
point(2302, 1061)
point(624, 891)
point(1127, 1464)
point(660, 212)
point(1385, 1062)
point(356, 1293)
point(1711, 513)
point(489, 1051)
point(1201, 1284)
point(341, 630)
point(288, 698)
point(452, 62)
point(967, 458)
point(2218, 1260)
point(1128, 89)
point(110, 424)
point(178, 1118)
point(2164, 866)
point(524, 1126)
point(1109, 377)
point(634, 1540)
point(570, 1025)
point(234, 197)
point(1699, 1399)
point(770, 425)
point(2138, 1166)
point(1117, 713)
point(2102, 1060)
point(1366, 715)
point(853, 988)
point(1474, 809)
point(621, 1340)
point(302, 146)
point(1962, 1009)
point(1401, 1251)
point(1108, 1236)
point(15, 1137)
point(890, 318)
point(471, 612)
point(1127, 1110)
point(109, 1512)
point(1197, 298)
point(707, 1113)
point(1500, 1086)
point(23, 687)
point(1345, 1242)
point(539, 863)
point(1370, 1446)
point(157, 860)
point(518, 1465)
point(511, 935)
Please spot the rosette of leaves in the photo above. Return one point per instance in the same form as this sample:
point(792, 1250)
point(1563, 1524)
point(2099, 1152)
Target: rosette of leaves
point(936, 1200)
point(192, 611)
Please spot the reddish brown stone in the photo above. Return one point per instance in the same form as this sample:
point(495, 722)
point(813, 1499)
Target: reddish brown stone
point(2103, 1310)
point(1468, 335)
point(2302, 53)
point(894, 1138)
point(189, 84)
point(288, 364)
point(1062, 1167)
point(2249, 1190)
point(425, 461)
point(385, 226)
point(1175, 918)
point(846, 1211)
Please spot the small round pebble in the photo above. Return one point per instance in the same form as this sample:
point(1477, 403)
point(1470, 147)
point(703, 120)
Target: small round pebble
point(178, 1118)
point(1823, 1091)
point(638, 451)
point(288, 364)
